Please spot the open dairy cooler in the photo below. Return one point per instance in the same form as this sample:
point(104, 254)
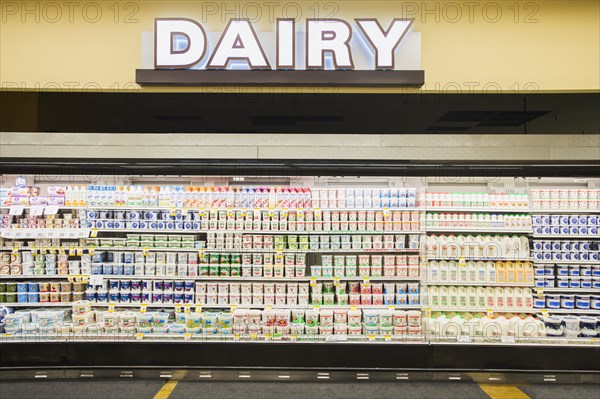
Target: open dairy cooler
point(415, 266)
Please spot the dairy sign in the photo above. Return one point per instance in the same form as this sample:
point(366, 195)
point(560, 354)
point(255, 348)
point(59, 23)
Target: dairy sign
point(363, 51)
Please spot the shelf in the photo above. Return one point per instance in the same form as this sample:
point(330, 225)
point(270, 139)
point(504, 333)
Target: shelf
point(568, 236)
point(567, 262)
point(570, 311)
point(565, 211)
point(45, 233)
point(424, 258)
point(262, 279)
point(204, 306)
point(179, 209)
point(484, 310)
point(477, 209)
point(571, 290)
point(303, 251)
point(270, 232)
point(477, 230)
point(477, 284)
point(35, 276)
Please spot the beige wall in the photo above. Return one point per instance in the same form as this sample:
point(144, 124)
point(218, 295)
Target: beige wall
point(298, 146)
point(545, 46)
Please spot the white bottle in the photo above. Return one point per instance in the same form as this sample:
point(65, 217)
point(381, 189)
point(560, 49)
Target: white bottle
point(481, 297)
point(471, 271)
point(490, 297)
point(472, 297)
point(509, 298)
point(499, 299)
point(434, 297)
point(443, 266)
point(463, 272)
point(490, 275)
point(463, 299)
point(453, 297)
point(453, 271)
point(443, 297)
point(434, 271)
point(481, 272)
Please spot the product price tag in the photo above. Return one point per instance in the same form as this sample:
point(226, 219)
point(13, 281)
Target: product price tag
point(187, 308)
point(145, 251)
point(44, 249)
point(91, 251)
point(71, 278)
point(352, 307)
point(316, 307)
point(229, 212)
point(253, 336)
point(386, 212)
point(36, 210)
point(51, 210)
point(233, 307)
point(236, 336)
point(366, 282)
point(428, 312)
point(61, 250)
point(15, 250)
point(540, 291)
point(545, 313)
point(387, 338)
point(94, 233)
point(490, 312)
point(201, 252)
point(371, 337)
point(293, 337)
point(465, 339)
point(16, 210)
point(139, 336)
point(52, 250)
point(244, 212)
point(72, 250)
point(177, 308)
point(268, 307)
point(199, 309)
point(507, 339)
point(187, 336)
point(172, 211)
point(391, 308)
point(111, 307)
point(313, 281)
point(143, 307)
point(336, 281)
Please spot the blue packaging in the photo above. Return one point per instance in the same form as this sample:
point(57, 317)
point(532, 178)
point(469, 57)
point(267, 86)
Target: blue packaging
point(113, 284)
point(188, 297)
point(33, 297)
point(118, 269)
point(22, 287)
point(158, 285)
point(107, 268)
point(22, 297)
point(178, 297)
point(168, 285)
point(126, 296)
point(34, 286)
point(96, 268)
point(128, 269)
point(178, 286)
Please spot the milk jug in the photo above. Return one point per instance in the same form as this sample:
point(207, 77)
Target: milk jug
point(443, 246)
point(499, 300)
point(452, 251)
point(528, 298)
point(518, 298)
point(444, 297)
point(472, 297)
point(490, 297)
point(443, 266)
point(500, 272)
point(462, 297)
point(453, 296)
point(453, 271)
point(524, 247)
point(509, 298)
point(510, 272)
point(463, 272)
point(490, 275)
point(481, 297)
point(434, 271)
point(472, 272)
point(519, 272)
point(479, 247)
point(528, 272)
point(470, 244)
point(481, 272)
point(434, 297)
point(503, 324)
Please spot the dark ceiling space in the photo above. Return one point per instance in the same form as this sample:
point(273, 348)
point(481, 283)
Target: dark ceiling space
point(300, 113)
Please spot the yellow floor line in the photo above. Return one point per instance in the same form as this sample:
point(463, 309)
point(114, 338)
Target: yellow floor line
point(503, 391)
point(166, 389)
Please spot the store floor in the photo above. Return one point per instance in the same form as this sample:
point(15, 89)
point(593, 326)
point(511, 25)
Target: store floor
point(158, 389)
